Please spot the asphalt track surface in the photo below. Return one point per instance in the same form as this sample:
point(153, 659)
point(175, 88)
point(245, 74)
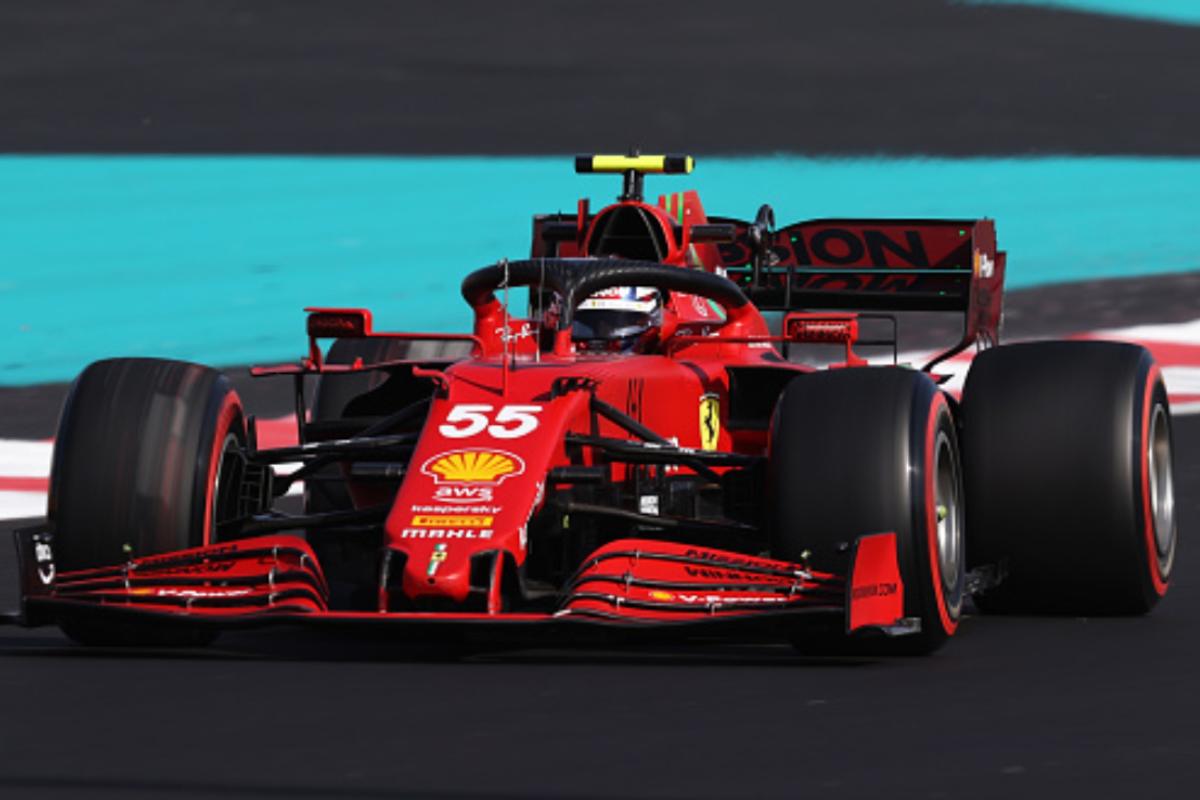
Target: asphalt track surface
point(550, 76)
point(1028, 707)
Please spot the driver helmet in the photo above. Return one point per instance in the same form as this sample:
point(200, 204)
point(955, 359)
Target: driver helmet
point(616, 319)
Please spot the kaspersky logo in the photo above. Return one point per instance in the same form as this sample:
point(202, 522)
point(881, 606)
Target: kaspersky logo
point(478, 467)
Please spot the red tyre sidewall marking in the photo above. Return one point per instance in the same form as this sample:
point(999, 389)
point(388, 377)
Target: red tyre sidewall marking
point(936, 408)
point(230, 408)
point(1156, 577)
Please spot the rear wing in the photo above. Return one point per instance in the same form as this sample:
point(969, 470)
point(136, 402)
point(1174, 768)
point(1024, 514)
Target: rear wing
point(872, 265)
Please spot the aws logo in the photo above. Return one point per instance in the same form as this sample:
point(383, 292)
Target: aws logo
point(484, 467)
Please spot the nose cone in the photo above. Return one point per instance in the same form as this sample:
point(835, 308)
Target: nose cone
point(475, 479)
point(438, 569)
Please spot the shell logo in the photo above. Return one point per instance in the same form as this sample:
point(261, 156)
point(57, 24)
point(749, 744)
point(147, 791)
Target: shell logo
point(488, 467)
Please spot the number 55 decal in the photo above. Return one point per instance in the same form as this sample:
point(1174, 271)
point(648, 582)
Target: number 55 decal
point(510, 422)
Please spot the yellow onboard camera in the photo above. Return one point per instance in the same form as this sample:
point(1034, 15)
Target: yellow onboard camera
point(633, 167)
point(669, 164)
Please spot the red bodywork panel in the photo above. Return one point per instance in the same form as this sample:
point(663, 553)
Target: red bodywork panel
point(876, 591)
point(477, 478)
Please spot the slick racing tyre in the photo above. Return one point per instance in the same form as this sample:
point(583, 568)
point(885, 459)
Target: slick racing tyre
point(146, 461)
point(871, 450)
point(1069, 480)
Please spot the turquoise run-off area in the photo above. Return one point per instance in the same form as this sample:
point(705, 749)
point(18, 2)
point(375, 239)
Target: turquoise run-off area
point(212, 259)
point(1177, 11)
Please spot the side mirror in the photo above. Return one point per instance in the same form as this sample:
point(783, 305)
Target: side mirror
point(825, 329)
point(339, 323)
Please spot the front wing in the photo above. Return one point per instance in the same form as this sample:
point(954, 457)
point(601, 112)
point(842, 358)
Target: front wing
point(639, 588)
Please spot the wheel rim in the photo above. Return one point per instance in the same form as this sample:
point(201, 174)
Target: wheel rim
point(948, 508)
point(1162, 487)
point(226, 483)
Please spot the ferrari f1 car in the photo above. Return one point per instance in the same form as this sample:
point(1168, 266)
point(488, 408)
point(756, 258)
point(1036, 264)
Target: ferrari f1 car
point(645, 451)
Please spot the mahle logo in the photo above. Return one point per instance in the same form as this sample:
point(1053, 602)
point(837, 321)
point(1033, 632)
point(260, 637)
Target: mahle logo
point(486, 467)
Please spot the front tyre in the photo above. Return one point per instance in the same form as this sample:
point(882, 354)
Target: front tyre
point(871, 450)
point(146, 461)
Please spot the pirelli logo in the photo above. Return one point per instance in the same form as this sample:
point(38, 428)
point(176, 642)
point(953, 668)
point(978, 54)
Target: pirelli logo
point(452, 521)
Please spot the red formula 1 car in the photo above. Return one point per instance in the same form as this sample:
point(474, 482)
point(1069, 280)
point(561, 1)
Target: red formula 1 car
point(646, 451)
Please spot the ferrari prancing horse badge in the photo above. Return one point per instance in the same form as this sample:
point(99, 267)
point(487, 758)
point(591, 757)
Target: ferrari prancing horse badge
point(710, 421)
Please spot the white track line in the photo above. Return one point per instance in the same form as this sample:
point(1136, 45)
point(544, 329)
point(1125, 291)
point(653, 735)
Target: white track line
point(24, 462)
point(24, 459)
point(18, 505)
point(1173, 333)
point(1182, 380)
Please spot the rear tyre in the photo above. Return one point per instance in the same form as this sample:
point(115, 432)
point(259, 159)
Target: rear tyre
point(1070, 486)
point(145, 462)
point(863, 451)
